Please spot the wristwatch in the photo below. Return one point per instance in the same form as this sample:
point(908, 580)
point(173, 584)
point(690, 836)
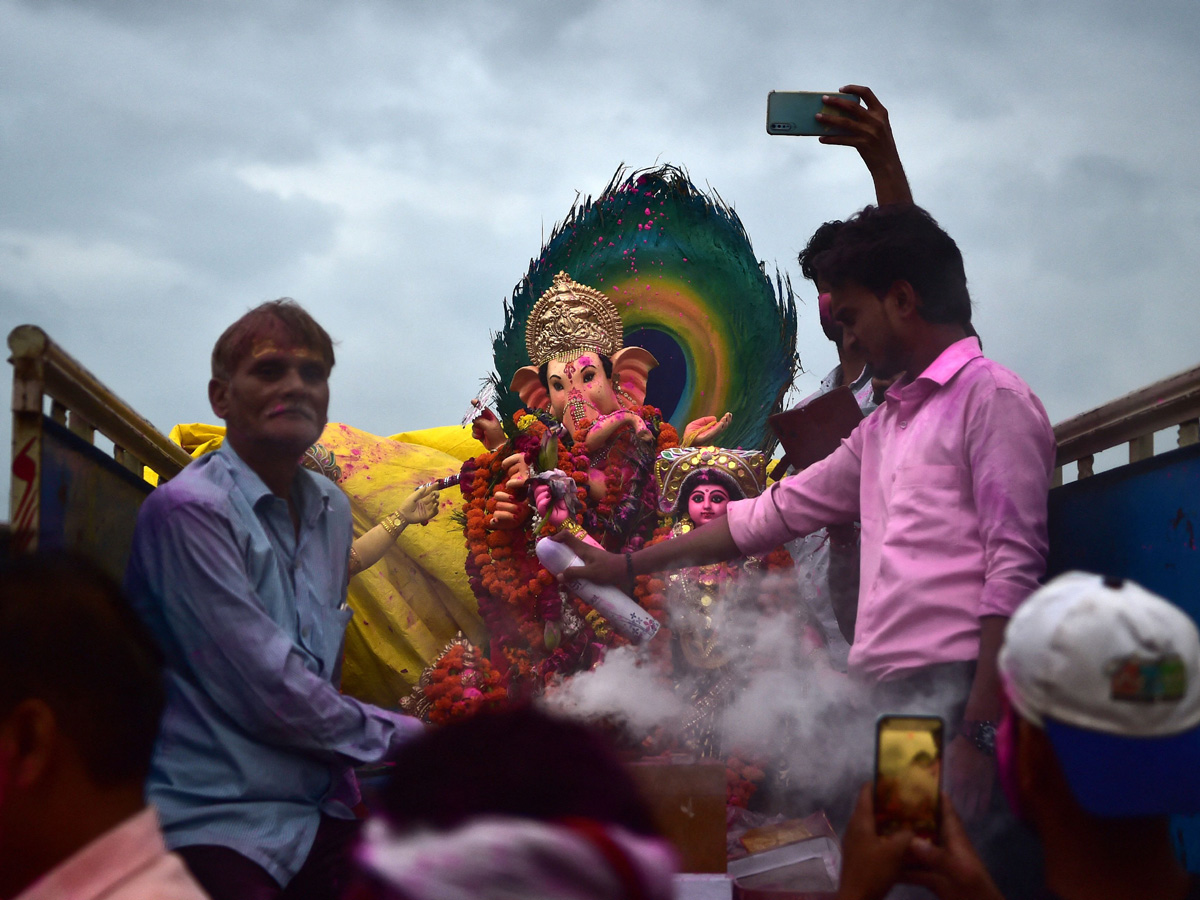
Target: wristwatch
point(982, 735)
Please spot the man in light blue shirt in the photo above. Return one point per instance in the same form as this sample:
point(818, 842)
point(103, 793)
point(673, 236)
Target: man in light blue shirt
point(240, 565)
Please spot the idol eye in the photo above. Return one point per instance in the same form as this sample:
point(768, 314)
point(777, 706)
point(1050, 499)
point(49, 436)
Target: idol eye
point(698, 497)
point(718, 497)
point(588, 376)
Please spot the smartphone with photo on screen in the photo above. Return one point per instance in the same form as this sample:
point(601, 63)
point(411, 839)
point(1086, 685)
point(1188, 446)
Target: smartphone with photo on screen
point(795, 112)
point(908, 775)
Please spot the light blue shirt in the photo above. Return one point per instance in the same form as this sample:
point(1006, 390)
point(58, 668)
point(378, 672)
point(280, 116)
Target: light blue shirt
point(256, 741)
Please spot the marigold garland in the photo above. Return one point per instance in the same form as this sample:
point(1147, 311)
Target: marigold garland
point(517, 597)
point(458, 688)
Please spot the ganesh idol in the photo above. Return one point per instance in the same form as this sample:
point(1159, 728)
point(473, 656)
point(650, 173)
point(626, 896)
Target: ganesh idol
point(579, 456)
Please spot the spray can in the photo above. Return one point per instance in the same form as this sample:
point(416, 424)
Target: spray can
point(620, 611)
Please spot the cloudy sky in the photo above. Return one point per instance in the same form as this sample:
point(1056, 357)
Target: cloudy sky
point(394, 165)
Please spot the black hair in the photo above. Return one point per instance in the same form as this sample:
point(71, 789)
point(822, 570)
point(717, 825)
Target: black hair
point(544, 368)
point(821, 241)
point(69, 638)
point(520, 762)
point(881, 245)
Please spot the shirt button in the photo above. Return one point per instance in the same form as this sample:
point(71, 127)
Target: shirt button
point(904, 423)
point(304, 632)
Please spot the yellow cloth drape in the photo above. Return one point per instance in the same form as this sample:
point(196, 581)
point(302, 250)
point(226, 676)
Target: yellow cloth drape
point(411, 603)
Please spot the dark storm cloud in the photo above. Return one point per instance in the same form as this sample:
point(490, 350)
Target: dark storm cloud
point(394, 166)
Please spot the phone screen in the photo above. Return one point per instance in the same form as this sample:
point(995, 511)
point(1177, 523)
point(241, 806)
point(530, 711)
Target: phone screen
point(908, 774)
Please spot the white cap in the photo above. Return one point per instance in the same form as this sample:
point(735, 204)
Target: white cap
point(1103, 654)
point(1111, 672)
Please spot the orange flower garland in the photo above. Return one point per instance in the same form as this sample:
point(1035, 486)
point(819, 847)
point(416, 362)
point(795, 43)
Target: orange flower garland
point(460, 687)
point(518, 598)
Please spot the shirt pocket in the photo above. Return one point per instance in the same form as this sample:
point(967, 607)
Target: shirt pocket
point(931, 504)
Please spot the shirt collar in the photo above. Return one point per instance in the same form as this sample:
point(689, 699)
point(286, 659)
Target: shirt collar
point(244, 477)
point(308, 488)
point(939, 372)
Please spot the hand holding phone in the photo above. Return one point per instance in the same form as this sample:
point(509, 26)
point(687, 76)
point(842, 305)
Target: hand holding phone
point(795, 112)
point(852, 117)
point(908, 775)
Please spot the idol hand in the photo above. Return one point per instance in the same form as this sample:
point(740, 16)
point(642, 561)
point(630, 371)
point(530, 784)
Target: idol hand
point(701, 431)
point(421, 505)
point(486, 429)
point(518, 473)
point(510, 512)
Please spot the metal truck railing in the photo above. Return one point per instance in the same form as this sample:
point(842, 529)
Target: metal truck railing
point(65, 490)
point(1133, 419)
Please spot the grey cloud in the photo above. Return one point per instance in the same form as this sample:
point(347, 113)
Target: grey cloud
point(395, 165)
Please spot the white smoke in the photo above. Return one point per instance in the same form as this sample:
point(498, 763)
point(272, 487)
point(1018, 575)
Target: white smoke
point(790, 709)
point(625, 688)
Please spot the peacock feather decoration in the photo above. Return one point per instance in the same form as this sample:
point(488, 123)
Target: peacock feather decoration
point(679, 267)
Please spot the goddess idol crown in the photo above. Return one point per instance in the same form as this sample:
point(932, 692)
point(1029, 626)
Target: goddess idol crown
point(744, 469)
point(569, 319)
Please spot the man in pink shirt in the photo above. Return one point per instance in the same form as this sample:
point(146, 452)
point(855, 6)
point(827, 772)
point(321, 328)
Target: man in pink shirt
point(80, 700)
point(949, 478)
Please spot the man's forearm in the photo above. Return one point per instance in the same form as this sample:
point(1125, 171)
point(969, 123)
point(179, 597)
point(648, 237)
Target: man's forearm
point(891, 184)
point(983, 704)
point(709, 543)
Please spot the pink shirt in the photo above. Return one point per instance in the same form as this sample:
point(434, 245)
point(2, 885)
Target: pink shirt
point(130, 862)
point(949, 478)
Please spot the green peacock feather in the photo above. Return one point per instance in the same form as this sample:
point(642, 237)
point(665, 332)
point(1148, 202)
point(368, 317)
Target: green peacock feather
point(679, 266)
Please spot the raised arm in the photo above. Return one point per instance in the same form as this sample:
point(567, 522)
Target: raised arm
point(871, 135)
point(825, 493)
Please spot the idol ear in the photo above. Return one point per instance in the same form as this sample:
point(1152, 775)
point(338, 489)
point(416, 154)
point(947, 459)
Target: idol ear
point(631, 367)
point(529, 388)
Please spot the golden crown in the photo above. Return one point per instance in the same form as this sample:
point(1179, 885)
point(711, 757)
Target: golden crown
point(569, 319)
point(745, 469)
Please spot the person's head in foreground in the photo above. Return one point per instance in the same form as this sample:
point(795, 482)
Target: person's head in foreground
point(512, 804)
point(1098, 746)
point(80, 699)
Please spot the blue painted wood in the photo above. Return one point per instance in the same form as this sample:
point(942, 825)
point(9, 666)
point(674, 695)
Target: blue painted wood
point(88, 502)
point(1140, 522)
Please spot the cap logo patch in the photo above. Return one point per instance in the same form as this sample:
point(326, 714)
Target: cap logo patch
point(1140, 679)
